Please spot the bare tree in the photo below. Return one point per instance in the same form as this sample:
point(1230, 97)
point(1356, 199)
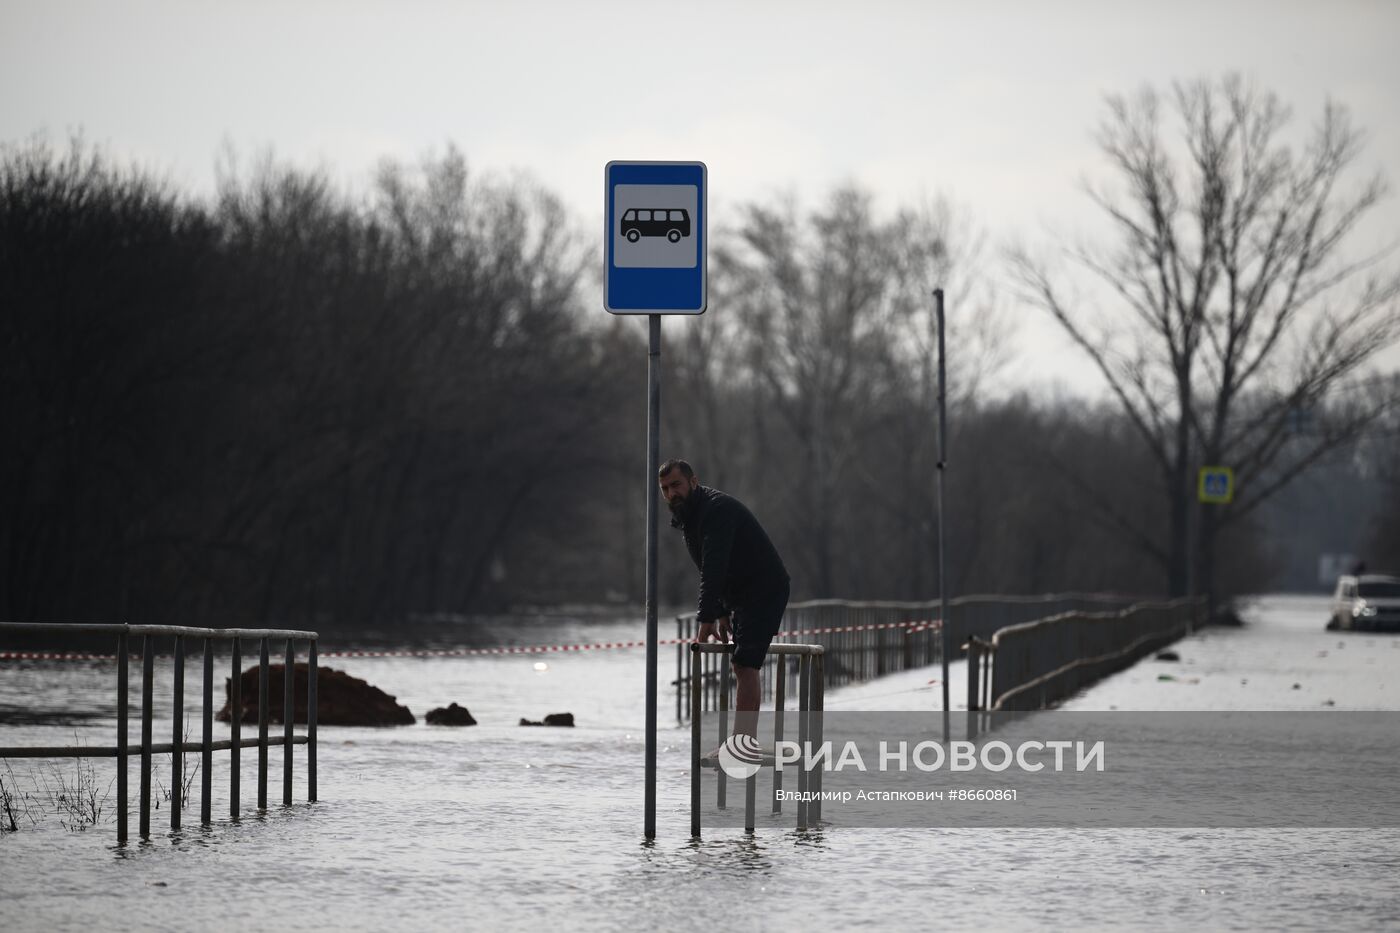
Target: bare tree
point(838, 337)
point(812, 290)
point(1236, 300)
point(934, 245)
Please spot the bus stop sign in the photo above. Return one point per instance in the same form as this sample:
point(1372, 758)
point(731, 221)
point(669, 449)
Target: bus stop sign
point(654, 247)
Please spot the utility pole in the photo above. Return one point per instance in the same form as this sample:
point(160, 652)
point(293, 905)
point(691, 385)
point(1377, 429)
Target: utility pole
point(945, 648)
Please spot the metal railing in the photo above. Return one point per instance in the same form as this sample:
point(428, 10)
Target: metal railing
point(866, 639)
point(810, 693)
point(1035, 664)
point(176, 747)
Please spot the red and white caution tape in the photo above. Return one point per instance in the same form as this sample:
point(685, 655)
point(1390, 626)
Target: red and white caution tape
point(911, 626)
point(58, 656)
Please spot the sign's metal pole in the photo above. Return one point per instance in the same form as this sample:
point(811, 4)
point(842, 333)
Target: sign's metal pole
point(945, 648)
point(653, 463)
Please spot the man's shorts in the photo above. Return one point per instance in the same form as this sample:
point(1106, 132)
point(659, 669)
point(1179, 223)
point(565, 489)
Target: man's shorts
point(755, 624)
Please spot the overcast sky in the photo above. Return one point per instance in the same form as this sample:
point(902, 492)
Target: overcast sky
point(990, 103)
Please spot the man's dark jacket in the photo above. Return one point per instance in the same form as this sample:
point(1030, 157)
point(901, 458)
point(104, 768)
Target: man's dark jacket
point(738, 564)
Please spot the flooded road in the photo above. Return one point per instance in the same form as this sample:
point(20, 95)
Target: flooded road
point(499, 827)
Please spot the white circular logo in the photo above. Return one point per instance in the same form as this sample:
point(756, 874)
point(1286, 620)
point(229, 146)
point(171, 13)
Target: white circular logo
point(740, 756)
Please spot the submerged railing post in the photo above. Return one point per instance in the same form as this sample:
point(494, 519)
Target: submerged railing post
point(722, 788)
point(986, 703)
point(177, 738)
point(206, 759)
point(803, 738)
point(311, 675)
point(750, 796)
point(262, 723)
point(288, 715)
point(779, 701)
point(696, 741)
point(974, 668)
point(148, 658)
point(815, 704)
point(236, 729)
point(122, 651)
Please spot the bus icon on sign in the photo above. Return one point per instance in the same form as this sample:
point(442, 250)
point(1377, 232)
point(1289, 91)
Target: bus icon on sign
point(668, 222)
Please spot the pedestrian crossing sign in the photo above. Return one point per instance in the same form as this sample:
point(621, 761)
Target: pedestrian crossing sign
point(1217, 485)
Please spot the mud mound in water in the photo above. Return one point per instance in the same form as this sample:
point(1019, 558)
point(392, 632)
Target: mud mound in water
point(341, 700)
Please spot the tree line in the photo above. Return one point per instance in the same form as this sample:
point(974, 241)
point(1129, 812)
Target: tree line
point(291, 404)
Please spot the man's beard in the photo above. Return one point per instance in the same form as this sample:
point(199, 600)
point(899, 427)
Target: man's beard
point(677, 505)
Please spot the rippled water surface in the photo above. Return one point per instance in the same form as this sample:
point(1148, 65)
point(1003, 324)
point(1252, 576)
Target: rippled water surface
point(503, 827)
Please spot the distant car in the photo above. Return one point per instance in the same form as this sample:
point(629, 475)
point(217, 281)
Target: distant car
point(1366, 603)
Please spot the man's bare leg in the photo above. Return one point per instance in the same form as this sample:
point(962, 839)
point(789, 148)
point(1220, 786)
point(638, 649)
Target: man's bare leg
point(746, 699)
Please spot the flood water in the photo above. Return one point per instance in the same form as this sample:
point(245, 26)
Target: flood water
point(502, 827)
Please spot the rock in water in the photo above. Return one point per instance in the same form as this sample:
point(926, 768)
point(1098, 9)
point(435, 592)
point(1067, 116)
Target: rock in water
point(451, 715)
point(341, 700)
point(553, 719)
